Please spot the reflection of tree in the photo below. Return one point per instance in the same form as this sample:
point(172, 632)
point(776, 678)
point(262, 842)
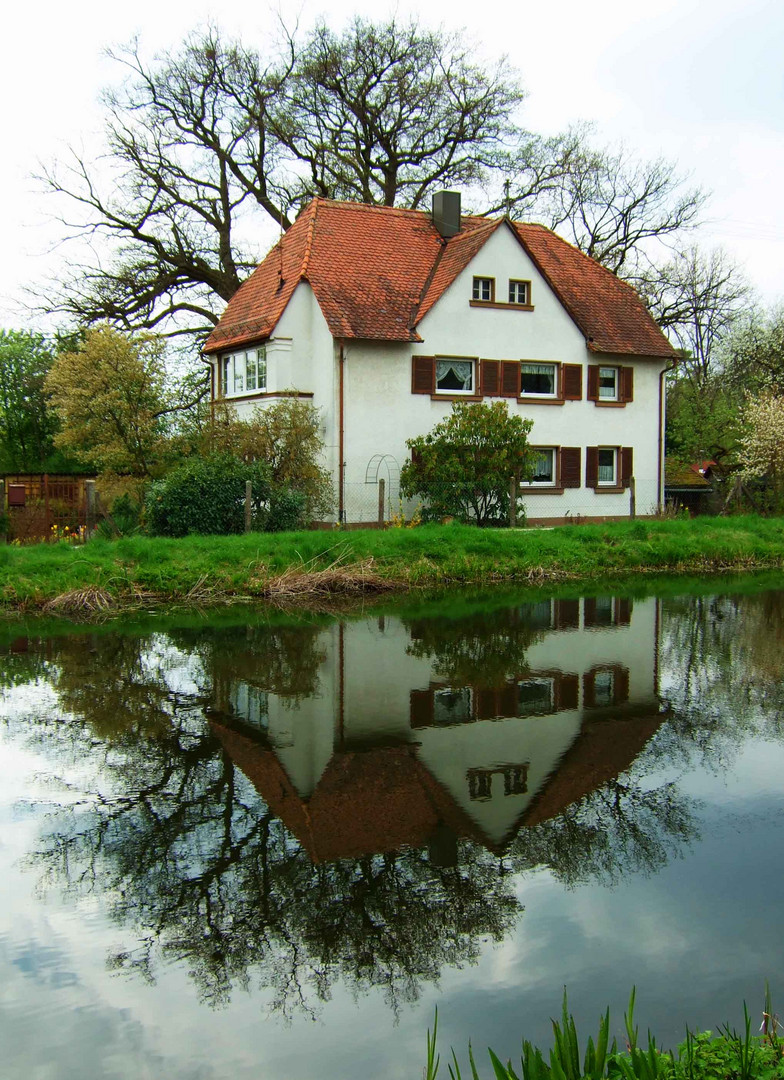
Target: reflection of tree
point(282, 660)
point(722, 663)
point(619, 829)
point(188, 855)
point(484, 649)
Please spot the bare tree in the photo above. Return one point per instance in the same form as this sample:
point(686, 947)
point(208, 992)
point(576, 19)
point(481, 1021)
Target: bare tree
point(697, 297)
point(614, 207)
point(384, 112)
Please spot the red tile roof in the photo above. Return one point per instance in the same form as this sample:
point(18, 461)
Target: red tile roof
point(377, 271)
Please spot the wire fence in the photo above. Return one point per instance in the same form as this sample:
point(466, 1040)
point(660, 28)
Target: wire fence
point(381, 503)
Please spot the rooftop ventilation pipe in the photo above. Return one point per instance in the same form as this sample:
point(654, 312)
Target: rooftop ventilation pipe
point(446, 213)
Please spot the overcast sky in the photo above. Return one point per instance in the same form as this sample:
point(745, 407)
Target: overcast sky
point(700, 82)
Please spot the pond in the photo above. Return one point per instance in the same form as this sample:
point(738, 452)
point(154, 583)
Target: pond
point(266, 845)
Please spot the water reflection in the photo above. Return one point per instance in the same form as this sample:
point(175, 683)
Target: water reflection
point(299, 805)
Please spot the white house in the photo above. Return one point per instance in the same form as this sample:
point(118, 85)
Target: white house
point(383, 317)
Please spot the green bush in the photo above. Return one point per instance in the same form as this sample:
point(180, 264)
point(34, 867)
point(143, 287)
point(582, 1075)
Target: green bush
point(286, 511)
point(125, 516)
point(207, 495)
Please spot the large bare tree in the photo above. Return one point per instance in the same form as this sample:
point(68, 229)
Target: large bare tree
point(207, 141)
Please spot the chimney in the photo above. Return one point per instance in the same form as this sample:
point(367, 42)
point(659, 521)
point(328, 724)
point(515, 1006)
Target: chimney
point(446, 213)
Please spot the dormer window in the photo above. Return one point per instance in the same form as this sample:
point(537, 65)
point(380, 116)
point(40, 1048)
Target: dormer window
point(484, 289)
point(519, 292)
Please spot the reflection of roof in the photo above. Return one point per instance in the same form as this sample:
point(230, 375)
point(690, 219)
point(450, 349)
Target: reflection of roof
point(372, 801)
point(604, 748)
point(365, 803)
point(376, 272)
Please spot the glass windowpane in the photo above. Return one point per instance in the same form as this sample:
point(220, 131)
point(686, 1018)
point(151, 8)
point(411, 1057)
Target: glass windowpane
point(455, 376)
point(537, 379)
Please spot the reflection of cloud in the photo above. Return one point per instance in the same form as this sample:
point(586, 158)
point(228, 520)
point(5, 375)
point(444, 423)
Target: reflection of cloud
point(51, 1020)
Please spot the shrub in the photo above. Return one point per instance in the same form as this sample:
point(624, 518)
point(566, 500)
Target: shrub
point(207, 495)
point(463, 467)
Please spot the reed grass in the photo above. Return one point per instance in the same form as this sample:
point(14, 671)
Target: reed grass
point(730, 1055)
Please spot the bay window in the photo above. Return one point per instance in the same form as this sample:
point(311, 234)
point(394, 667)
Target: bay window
point(243, 372)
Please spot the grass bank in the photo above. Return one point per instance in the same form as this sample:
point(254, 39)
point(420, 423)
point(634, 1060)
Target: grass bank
point(310, 566)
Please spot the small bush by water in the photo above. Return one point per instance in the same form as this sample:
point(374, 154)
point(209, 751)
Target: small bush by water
point(729, 1055)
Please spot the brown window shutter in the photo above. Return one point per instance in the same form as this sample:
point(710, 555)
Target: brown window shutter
point(491, 378)
point(485, 707)
point(421, 708)
point(568, 691)
point(589, 609)
point(507, 700)
point(423, 375)
point(623, 611)
point(593, 382)
point(570, 466)
point(572, 382)
point(567, 614)
point(621, 685)
point(510, 378)
point(592, 466)
point(627, 465)
point(626, 389)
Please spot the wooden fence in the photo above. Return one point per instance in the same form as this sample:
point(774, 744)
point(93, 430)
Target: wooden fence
point(43, 506)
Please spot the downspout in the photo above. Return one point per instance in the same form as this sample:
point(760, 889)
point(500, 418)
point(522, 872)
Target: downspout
point(341, 434)
point(660, 492)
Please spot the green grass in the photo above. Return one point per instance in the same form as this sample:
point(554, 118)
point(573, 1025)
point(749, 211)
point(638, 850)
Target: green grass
point(428, 556)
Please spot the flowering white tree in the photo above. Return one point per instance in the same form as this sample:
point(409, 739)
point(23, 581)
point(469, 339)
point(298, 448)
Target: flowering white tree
point(762, 444)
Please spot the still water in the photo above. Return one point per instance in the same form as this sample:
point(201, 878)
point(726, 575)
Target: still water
point(267, 846)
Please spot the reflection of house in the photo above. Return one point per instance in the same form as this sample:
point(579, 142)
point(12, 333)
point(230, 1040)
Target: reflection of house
point(396, 746)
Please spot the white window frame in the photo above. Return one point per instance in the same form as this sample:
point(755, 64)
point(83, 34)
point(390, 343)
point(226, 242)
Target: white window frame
point(614, 482)
point(553, 452)
point(481, 285)
point(604, 679)
point(234, 372)
point(516, 285)
point(605, 393)
point(536, 364)
point(547, 682)
point(449, 361)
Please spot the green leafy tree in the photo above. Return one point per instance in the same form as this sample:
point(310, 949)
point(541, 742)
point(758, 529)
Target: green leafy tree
point(704, 420)
point(754, 353)
point(27, 425)
point(463, 467)
point(114, 402)
point(207, 495)
point(286, 436)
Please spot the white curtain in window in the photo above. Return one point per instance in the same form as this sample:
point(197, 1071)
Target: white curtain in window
point(455, 375)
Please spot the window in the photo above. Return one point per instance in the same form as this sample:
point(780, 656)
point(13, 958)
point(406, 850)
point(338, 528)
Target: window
point(544, 467)
point(538, 380)
point(608, 466)
point(484, 289)
point(519, 292)
point(453, 705)
point(536, 697)
point(608, 384)
point(455, 376)
point(243, 372)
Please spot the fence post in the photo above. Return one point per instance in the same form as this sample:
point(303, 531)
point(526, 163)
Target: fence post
point(89, 507)
point(513, 502)
point(632, 499)
point(381, 489)
point(248, 504)
point(3, 535)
